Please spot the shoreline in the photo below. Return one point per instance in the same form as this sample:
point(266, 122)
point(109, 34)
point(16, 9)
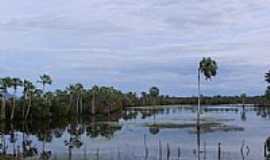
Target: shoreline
point(194, 105)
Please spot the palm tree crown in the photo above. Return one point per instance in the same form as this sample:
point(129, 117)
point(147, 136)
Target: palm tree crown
point(45, 79)
point(16, 82)
point(28, 88)
point(208, 67)
point(5, 83)
point(154, 91)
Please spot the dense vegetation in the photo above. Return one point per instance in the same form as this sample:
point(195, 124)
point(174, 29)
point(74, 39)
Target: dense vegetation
point(37, 103)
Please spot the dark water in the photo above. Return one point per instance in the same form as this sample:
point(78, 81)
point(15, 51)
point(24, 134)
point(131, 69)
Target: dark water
point(141, 133)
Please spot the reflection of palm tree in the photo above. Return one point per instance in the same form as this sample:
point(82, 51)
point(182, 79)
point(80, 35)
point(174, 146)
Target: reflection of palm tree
point(3, 145)
point(267, 148)
point(243, 116)
point(75, 131)
point(13, 139)
point(154, 130)
point(45, 136)
point(58, 132)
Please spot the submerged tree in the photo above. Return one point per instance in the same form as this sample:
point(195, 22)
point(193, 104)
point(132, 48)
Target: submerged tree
point(208, 68)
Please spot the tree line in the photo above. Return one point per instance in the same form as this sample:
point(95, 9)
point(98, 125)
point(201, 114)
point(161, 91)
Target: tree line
point(37, 103)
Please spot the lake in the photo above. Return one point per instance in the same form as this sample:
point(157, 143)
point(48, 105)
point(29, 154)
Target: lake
point(146, 133)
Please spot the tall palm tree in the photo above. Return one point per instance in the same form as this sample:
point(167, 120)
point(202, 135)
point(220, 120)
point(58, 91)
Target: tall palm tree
point(28, 90)
point(71, 93)
point(93, 102)
point(79, 90)
point(45, 80)
point(15, 82)
point(76, 92)
point(208, 68)
point(5, 83)
point(154, 93)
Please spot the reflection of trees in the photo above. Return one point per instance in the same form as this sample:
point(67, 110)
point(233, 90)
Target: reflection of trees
point(106, 130)
point(267, 148)
point(154, 130)
point(13, 138)
point(129, 115)
point(243, 116)
point(3, 145)
point(263, 112)
point(75, 131)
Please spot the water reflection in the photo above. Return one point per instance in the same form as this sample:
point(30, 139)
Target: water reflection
point(33, 139)
point(267, 149)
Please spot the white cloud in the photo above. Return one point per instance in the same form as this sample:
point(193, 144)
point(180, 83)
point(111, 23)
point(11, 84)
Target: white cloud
point(135, 44)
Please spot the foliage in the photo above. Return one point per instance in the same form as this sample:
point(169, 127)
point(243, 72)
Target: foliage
point(208, 67)
point(267, 77)
point(37, 104)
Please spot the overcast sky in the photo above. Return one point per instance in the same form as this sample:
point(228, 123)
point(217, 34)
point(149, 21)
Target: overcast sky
point(136, 44)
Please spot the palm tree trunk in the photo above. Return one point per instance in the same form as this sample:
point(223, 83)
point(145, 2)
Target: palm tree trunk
point(28, 108)
point(77, 104)
point(81, 105)
point(198, 116)
point(24, 105)
point(93, 108)
point(70, 100)
point(43, 94)
point(3, 108)
point(14, 105)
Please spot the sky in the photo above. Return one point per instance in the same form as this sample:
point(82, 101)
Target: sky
point(135, 44)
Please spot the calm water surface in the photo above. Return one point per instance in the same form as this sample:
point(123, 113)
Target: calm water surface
point(138, 131)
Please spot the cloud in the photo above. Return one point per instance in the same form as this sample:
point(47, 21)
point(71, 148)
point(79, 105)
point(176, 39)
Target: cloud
point(136, 44)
